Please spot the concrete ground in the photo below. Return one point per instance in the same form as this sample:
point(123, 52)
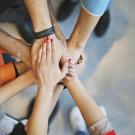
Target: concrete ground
point(109, 73)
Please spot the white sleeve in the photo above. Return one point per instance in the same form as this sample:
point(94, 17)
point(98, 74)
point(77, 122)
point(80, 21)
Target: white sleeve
point(101, 127)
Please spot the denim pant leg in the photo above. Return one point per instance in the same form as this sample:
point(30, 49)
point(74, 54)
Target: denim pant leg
point(80, 133)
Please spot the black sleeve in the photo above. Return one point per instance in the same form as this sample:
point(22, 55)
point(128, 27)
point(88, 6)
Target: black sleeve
point(5, 4)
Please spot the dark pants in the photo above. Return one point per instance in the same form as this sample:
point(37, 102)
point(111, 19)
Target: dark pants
point(5, 4)
point(80, 133)
point(11, 13)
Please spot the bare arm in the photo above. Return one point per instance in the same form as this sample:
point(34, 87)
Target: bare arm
point(15, 47)
point(16, 86)
point(83, 28)
point(88, 107)
point(58, 31)
point(38, 123)
point(38, 10)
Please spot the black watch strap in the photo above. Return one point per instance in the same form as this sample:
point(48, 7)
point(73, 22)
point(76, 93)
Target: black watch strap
point(44, 33)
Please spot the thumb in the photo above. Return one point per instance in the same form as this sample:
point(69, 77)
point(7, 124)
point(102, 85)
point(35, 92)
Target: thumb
point(64, 70)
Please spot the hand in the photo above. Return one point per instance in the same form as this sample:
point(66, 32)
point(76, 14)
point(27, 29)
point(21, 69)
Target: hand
point(75, 52)
point(71, 73)
point(47, 66)
point(34, 52)
point(37, 44)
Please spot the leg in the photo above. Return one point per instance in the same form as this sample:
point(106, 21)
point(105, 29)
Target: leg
point(104, 22)
point(66, 9)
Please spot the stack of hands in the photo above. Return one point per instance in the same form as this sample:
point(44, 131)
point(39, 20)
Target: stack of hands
point(49, 67)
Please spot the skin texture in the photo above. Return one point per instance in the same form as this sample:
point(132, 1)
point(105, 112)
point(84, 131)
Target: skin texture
point(47, 65)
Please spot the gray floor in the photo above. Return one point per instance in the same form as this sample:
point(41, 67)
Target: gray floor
point(109, 73)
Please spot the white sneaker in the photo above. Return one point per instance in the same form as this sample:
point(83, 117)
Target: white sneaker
point(77, 121)
point(103, 110)
point(6, 123)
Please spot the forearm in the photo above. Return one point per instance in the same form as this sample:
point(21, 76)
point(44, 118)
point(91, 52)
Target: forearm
point(21, 67)
point(56, 96)
point(38, 123)
point(16, 86)
point(89, 109)
point(38, 10)
point(83, 28)
point(57, 29)
point(15, 47)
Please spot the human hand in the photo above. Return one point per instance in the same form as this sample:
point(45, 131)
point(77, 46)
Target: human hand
point(75, 52)
point(47, 66)
point(71, 73)
point(37, 44)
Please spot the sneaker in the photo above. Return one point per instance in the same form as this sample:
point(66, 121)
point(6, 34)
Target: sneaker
point(66, 9)
point(103, 110)
point(103, 24)
point(77, 121)
point(7, 123)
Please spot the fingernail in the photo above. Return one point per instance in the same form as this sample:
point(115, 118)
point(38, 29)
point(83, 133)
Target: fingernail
point(69, 60)
point(78, 62)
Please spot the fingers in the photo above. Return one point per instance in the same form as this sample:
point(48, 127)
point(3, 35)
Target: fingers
point(39, 55)
point(48, 50)
point(65, 69)
point(43, 53)
point(53, 51)
point(80, 60)
point(71, 70)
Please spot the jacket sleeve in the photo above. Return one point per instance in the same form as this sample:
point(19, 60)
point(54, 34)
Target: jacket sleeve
point(95, 7)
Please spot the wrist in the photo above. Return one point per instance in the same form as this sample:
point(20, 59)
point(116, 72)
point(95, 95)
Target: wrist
point(72, 43)
point(44, 33)
point(74, 79)
point(42, 25)
point(45, 91)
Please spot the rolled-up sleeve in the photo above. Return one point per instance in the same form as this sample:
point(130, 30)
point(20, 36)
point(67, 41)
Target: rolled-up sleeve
point(102, 127)
point(95, 7)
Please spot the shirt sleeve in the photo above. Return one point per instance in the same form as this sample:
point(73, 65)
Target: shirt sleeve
point(102, 127)
point(95, 7)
